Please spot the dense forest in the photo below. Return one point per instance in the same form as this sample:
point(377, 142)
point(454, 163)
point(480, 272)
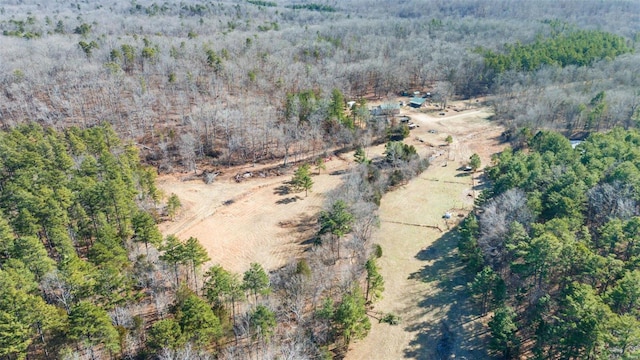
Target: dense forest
point(98, 97)
point(555, 246)
point(81, 272)
point(72, 213)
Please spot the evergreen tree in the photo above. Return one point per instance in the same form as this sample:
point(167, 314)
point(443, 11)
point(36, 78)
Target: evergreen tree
point(625, 296)
point(145, 230)
point(256, 280)
point(195, 254)
point(336, 109)
point(198, 322)
point(503, 333)
point(474, 162)
point(32, 252)
point(165, 334)
point(583, 321)
point(320, 164)
point(337, 221)
point(482, 286)
point(91, 325)
point(173, 205)
point(375, 282)
point(263, 322)
point(360, 157)
point(302, 179)
point(222, 287)
point(350, 317)
point(14, 336)
point(173, 254)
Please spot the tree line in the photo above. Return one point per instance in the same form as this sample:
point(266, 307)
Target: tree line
point(72, 206)
point(553, 248)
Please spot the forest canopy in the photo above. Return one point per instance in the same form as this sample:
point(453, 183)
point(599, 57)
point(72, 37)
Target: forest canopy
point(68, 214)
point(90, 88)
point(555, 247)
point(188, 79)
point(572, 47)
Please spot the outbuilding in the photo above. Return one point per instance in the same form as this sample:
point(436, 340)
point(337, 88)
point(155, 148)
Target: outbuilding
point(417, 102)
point(386, 109)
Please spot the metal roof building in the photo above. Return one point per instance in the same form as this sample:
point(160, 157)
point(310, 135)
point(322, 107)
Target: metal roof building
point(386, 109)
point(416, 102)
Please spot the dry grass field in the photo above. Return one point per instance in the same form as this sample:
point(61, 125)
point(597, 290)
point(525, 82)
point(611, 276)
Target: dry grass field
point(423, 278)
point(258, 221)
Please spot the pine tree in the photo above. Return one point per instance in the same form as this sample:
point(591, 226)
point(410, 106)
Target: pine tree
point(503, 333)
point(302, 179)
point(360, 157)
point(92, 326)
point(173, 254)
point(165, 334)
point(263, 322)
point(337, 221)
point(256, 280)
point(198, 322)
point(320, 164)
point(481, 287)
point(145, 230)
point(475, 162)
point(375, 282)
point(173, 205)
point(350, 317)
point(195, 254)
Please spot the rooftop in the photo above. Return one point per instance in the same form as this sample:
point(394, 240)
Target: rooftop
point(389, 106)
point(417, 101)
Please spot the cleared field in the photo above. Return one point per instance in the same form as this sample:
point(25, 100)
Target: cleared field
point(424, 283)
point(258, 221)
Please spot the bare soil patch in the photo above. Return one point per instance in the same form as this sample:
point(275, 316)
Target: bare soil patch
point(256, 220)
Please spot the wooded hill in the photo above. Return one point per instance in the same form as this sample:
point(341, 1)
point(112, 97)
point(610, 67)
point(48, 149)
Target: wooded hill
point(580, 48)
point(554, 243)
point(210, 81)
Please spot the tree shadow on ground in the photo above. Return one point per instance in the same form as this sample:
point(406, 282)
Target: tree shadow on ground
point(307, 223)
point(306, 227)
point(453, 332)
point(282, 190)
point(288, 200)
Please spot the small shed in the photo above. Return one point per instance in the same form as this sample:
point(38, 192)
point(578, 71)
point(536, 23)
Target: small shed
point(417, 102)
point(350, 104)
